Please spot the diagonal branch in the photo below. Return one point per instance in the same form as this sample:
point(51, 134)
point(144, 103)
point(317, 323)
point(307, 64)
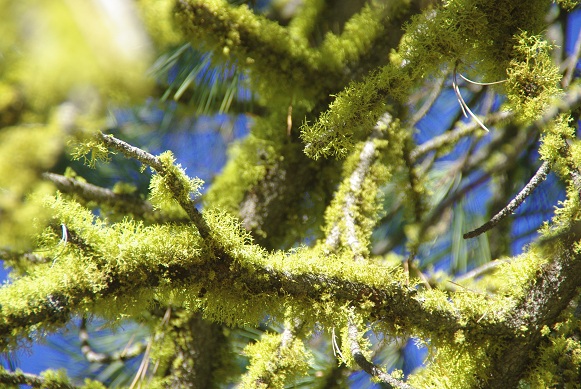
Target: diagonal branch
point(174, 182)
point(453, 136)
point(259, 43)
point(539, 177)
point(346, 228)
point(549, 294)
point(369, 367)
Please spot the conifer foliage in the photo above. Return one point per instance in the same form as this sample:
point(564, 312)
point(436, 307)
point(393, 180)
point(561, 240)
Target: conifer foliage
point(411, 180)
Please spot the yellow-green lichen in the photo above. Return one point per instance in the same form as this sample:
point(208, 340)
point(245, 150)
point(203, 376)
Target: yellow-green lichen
point(163, 185)
point(532, 77)
point(291, 360)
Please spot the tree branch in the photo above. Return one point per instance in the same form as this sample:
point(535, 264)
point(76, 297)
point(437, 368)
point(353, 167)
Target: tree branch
point(453, 136)
point(253, 40)
point(555, 286)
point(351, 198)
point(51, 302)
point(535, 181)
point(174, 182)
point(89, 192)
point(35, 381)
point(369, 367)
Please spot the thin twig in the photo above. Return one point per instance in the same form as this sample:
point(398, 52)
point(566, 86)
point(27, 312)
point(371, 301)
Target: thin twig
point(369, 367)
point(488, 266)
point(539, 177)
point(432, 97)
point(174, 183)
point(132, 152)
point(451, 137)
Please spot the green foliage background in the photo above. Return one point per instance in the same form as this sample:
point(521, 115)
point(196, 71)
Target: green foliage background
point(335, 231)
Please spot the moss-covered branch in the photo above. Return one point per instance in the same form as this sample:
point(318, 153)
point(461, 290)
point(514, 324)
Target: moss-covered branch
point(272, 52)
point(353, 212)
point(254, 41)
point(337, 67)
point(539, 177)
point(149, 260)
point(431, 42)
point(145, 263)
point(369, 367)
point(48, 380)
point(171, 178)
point(125, 203)
point(543, 304)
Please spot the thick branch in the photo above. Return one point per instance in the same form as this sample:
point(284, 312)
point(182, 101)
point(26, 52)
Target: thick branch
point(51, 303)
point(272, 286)
point(548, 296)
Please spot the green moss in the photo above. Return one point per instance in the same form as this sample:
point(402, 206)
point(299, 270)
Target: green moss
point(353, 114)
point(553, 138)
point(358, 36)
point(453, 366)
point(472, 32)
point(304, 22)
point(532, 77)
point(274, 362)
point(275, 60)
point(559, 362)
point(158, 17)
point(568, 5)
point(28, 150)
point(247, 165)
point(55, 378)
